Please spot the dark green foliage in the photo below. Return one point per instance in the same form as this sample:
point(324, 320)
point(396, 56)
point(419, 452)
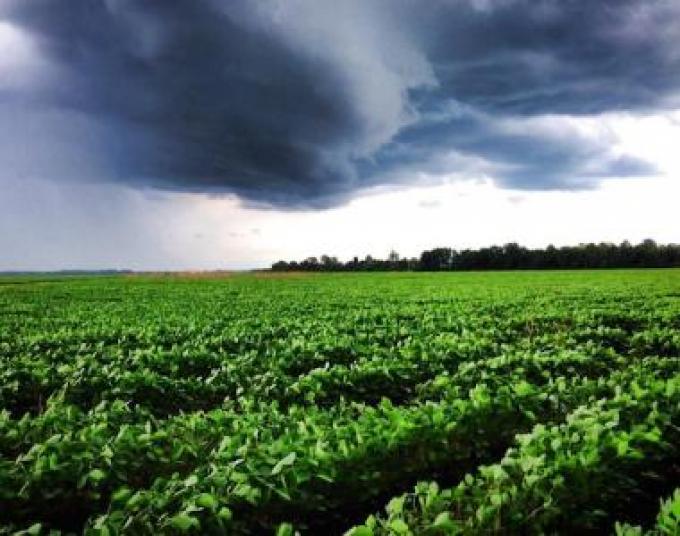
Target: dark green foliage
point(280, 404)
point(647, 254)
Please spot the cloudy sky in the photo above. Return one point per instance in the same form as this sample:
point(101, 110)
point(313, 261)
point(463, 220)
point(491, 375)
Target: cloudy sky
point(196, 134)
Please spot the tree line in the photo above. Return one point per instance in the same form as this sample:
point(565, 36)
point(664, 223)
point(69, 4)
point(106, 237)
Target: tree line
point(512, 256)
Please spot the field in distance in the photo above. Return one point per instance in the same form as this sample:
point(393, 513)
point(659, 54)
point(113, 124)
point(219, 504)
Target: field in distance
point(367, 404)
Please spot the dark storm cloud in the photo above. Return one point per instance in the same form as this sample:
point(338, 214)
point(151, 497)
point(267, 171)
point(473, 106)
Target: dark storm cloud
point(556, 56)
point(303, 103)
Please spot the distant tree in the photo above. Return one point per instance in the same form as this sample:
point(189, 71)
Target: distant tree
point(330, 263)
point(310, 263)
point(510, 256)
point(436, 259)
point(280, 266)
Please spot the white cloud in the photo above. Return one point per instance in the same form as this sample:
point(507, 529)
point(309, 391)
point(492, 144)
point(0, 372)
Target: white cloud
point(653, 137)
point(50, 226)
point(21, 64)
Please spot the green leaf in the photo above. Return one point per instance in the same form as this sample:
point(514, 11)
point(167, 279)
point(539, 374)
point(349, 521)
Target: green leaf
point(285, 529)
point(184, 522)
point(135, 500)
point(121, 495)
point(96, 475)
point(288, 460)
point(396, 505)
point(360, 531)
point(224, 514)
point(399, 526)
point(206, 500)
point(34, 529)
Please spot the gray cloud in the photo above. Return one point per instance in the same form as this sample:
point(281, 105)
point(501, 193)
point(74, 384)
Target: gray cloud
point(51, 225)
point(522, 152)
point(301, 104)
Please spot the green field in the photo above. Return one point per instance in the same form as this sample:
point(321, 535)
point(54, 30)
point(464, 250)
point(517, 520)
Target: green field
point(400, 403)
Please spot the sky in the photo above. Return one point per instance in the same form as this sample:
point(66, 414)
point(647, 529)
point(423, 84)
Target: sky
point(218, 134)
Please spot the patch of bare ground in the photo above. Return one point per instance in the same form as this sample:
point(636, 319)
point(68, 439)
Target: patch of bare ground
point(282, 275)
point(186, 274)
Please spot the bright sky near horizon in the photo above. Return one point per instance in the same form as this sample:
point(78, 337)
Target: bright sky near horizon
point(213, 135)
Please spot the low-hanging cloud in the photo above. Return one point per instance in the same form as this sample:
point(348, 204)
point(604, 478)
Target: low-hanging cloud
point(304, 103)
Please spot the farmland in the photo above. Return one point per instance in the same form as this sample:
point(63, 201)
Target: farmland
point(373, 404)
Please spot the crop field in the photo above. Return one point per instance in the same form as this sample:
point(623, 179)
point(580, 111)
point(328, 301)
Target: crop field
point(325, 404)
